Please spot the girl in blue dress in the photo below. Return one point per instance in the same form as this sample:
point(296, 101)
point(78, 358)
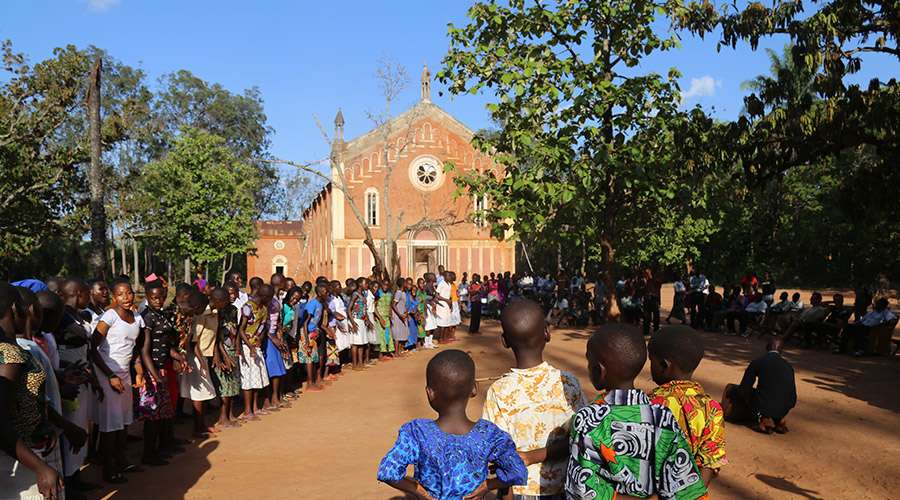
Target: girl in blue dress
point(451, 454)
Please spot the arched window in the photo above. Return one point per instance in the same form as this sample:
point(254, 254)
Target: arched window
point(481, 204)
point(372, 207)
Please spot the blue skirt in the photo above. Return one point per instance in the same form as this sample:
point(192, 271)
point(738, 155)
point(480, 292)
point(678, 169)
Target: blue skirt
point(274, 363)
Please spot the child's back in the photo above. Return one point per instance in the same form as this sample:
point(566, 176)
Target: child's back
point(623, 443)
point(535, 401)
point(675, 352)
point(451, 454)
point(450, 466)
point(699, 416)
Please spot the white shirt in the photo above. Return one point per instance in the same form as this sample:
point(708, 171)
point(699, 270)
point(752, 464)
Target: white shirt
point(239, 303)
point(561, 304)
point(679, 286)
point(336, 305)
point(756, 307)
point(443, 289)
point(370, 303)
point(118, 345)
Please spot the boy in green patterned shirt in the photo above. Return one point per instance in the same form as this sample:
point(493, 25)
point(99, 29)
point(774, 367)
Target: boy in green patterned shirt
point(622, 445)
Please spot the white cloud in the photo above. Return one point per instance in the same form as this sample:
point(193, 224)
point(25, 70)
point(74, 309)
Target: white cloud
point(102, 5)
point(701, 87)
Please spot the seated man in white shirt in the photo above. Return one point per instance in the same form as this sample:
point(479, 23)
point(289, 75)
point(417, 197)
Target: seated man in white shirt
point(859, 331)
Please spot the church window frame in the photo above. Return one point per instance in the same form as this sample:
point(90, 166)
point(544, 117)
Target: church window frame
point(426, 173)
point(372, 215)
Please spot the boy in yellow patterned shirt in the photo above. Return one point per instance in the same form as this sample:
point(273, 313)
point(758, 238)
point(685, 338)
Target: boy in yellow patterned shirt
point(534, 403)
point(675, 352)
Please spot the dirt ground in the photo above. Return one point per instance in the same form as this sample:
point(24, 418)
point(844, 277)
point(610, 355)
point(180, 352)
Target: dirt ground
point(843, 441)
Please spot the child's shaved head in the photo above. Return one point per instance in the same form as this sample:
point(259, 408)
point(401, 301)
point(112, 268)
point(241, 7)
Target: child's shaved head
point(621, 351)
point(524, 325)
point(451, 376)
point(678, 344)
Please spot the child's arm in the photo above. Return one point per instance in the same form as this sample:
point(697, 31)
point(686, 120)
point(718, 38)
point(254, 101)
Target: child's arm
point(411, 487)
point(392, 469)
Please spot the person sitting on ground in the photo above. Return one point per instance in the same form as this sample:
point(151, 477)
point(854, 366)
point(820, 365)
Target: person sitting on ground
point(775, 394)
point(534, 401)
point(657, 459)
point(860, 330)
point(451, 454)
point(675, 353)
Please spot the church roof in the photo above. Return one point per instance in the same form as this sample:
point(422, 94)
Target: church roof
point(279, 227)
point(421, 110)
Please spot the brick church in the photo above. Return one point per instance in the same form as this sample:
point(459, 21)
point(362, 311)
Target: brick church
point(431, 226)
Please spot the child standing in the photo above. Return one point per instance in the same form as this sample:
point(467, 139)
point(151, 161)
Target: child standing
point(399, 328)
point(374, 289)
point(313, 334)
point(534, 402)
point(451, 453)
point(197, 383)
point(253, 327)
point(675, 353)
point(157, 352)
point(360, 318)
point(383, 321)
point(622, 444)
point(225, 363)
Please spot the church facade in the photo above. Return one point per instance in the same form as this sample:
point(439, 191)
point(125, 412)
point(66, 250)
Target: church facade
point(393, 180)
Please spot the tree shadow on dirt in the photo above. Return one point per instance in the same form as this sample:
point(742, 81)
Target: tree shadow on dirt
point(169, 481)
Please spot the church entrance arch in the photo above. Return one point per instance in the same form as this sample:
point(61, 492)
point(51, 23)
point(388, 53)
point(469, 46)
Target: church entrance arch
point(427, 251)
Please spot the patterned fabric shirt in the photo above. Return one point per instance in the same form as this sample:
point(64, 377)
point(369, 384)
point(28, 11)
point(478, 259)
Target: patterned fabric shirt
point(30, 412)
point(534, 406)
point(699, 416)
point(622, 443)
point(257, 322)
point(451, 466)
point(228, 324)
point(161, 328)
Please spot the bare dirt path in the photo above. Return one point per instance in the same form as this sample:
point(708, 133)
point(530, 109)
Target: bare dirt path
point(844, 440)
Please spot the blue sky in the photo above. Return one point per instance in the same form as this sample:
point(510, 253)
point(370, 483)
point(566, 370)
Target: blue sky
point(310, 58)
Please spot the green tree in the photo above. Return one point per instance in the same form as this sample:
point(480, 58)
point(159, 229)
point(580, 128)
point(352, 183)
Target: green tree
point(831, 37)
point(186, 100)
point(596, 151)
point(44, 145)
point(199, 201)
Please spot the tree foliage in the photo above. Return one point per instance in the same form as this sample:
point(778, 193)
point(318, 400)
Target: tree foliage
point(594, 148)
point(199, 200)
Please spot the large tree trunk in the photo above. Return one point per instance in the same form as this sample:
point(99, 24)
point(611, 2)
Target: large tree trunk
point(169, 271)
point(134, 255)
point(187, 269)
point(608, 254)
point(112, 260)
point(376, 256)
point(125, 269)
point(97, 257)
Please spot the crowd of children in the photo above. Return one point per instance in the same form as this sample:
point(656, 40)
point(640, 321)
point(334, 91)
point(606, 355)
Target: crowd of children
point(80, 362)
